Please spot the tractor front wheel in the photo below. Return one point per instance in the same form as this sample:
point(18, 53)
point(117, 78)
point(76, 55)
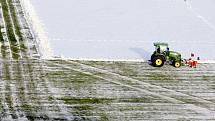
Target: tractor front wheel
point(177, 64)
point(158, 61)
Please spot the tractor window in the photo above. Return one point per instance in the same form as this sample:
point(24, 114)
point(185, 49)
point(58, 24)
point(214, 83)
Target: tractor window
point(167, 51)
point(163, 48)
point(158, 50)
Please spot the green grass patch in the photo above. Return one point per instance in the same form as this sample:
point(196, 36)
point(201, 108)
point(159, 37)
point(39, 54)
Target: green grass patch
point(6, 72)
point(83, 108)
point(8, 92)
point(104, 117)
point(159, 76)
point(15, 50)
point(71, 100)
point(82, 111)
point(15, 21)
point(26, 107)
point(71, 79)
point(136, 100)
point(207, 78)
point(3, 50)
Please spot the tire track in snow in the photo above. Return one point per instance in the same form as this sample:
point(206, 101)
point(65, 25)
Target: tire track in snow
point(198, 15)
point(34, 87)
point(5, 108)
point(6, 43)
point(11, 45)
point(21, 43)
point(104, 71)
point(8, 101)
point(19, 53)
point(63, 111)
point(9, 94)
point(37, 29)
point(190, 106)
point(14, 31)
point(21, 88)
point(28, 35)
point(34, 91)
point(89, 70)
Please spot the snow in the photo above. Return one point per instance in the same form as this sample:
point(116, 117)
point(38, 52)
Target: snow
point(38, 30)
point(116, 30)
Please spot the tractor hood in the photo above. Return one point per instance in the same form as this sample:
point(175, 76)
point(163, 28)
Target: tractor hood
point(175, 55)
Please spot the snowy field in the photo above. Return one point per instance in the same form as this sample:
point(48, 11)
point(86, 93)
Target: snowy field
point(32, 88)
point(116, 30)
point(105, 91)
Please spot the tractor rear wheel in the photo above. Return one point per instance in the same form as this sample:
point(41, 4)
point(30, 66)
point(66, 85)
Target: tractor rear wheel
point(177, 64)
point(158, 61)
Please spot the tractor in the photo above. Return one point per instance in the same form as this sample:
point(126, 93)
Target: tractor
point(162, 54)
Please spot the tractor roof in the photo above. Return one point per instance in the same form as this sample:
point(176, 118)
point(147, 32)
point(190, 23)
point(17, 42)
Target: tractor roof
point(160, 44)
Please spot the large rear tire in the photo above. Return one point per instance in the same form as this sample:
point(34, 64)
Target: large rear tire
point(158, 61)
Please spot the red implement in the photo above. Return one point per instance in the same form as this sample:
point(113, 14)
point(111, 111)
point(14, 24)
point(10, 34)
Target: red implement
point(191, 62)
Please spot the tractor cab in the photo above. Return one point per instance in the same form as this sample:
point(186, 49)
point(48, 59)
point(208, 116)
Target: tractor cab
point(162, 54)
point(161, 47)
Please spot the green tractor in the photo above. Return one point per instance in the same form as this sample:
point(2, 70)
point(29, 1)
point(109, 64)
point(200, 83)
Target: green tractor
point(162, 55)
